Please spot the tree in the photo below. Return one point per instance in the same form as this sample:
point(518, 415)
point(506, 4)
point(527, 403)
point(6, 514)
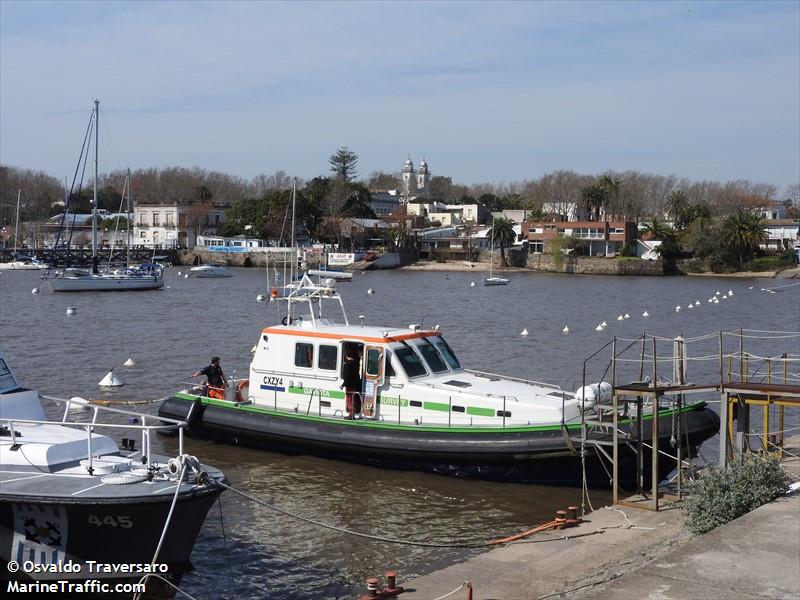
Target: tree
point(502, 232)
point(593, 199)
point(677, 202)
point(742, 232)
point(611, 186)
point(343, 163)
point(657, 229)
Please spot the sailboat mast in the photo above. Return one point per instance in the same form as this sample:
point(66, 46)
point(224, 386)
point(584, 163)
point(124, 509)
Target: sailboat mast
point(294, 251)
point(96, 169)
point(129, 216)
point(16, 227)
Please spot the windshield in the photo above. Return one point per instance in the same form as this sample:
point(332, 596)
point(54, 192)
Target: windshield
point(410, 362)
point(431, 357)
point(446, 351)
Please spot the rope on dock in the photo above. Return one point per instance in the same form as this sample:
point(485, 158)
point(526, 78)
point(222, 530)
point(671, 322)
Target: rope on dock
point(463, 583)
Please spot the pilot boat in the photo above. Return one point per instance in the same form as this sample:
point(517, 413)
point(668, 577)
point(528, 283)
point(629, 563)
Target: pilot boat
point(420, 408)
point(74, 505)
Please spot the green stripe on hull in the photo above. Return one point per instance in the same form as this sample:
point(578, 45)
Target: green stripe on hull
point(386, 425)
point(293, 389)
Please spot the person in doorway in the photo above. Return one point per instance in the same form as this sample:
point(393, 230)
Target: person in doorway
point(351, 382)
point(216, 379)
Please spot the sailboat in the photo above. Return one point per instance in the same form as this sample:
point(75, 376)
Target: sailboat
point(493, 279)
point(21, 263)
point(82, 280)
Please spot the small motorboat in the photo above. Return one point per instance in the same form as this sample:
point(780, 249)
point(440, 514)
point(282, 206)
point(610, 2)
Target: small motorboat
point(210, 271)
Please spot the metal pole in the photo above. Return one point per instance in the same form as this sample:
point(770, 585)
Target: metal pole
point(723, 411)
point(654, 465)
point(96, 169)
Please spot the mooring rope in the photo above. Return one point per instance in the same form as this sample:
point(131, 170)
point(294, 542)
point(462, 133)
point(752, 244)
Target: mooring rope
point(463, 583)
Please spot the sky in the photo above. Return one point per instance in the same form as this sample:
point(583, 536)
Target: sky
point(494, 92)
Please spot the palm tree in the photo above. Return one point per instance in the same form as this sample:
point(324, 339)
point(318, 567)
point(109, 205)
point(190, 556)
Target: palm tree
point(611, 187)
point(742, 232)
point(658, 229)
point(677, 202)
point(502, 232)
point(594, 198)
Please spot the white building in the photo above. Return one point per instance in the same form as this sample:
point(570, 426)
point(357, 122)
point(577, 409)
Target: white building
point(174, 225)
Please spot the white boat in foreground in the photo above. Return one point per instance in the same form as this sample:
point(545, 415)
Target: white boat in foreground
point(69, 494)
point(210, 271)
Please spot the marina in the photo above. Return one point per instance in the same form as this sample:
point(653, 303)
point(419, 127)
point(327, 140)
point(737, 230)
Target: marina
point(160, 331)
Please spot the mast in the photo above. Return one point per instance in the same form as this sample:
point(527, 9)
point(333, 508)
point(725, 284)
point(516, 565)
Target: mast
point(16, 227)
point(294, 250)
point(128, 221)
point(94, 202)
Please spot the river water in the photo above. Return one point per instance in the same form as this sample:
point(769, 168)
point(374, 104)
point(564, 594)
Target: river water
point(251, 551)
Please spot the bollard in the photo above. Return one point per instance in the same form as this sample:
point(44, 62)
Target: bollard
point(372, 587)
point(573, 512)
point(561, 519)
point(391, 589)
point(468, 585)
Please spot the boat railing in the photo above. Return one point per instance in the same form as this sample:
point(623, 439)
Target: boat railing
point(496, 377)
point(71, 419)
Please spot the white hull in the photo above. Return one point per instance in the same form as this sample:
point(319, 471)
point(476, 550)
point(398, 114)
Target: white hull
point(209, 271)
point(495, 281)
point(339, 275)
point(99, 283)
point(16, 265)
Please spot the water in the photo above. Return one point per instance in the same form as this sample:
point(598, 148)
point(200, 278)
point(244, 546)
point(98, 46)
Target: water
point(265, 553)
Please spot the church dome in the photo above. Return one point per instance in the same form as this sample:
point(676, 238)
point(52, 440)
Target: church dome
point(423, 166)
point(408, 166)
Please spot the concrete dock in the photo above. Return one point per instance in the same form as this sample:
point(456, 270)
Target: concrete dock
point(628, 553)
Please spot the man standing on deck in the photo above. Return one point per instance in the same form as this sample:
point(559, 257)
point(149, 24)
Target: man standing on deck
point(351, 382)
point(216, 379)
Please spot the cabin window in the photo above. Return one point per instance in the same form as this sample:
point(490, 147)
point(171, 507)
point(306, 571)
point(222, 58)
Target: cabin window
point(373, 362)
point(506, 413)
point(416, 403)
point(443, 347)
point(410, 361)
point(304, 355)
point(389, 368)
point(457, 408)
point(431, 357)
point(327, 357)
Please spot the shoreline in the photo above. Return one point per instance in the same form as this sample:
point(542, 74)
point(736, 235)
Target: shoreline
point(464, 267)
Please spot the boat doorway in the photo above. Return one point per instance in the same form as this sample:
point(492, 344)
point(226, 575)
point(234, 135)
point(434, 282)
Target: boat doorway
point(352, 377)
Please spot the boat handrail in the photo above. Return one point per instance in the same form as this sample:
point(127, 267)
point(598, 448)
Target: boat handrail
point(487, 375)
point(164, 423)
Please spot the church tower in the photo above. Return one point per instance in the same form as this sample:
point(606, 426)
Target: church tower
point(409, 181)
point(423, 177)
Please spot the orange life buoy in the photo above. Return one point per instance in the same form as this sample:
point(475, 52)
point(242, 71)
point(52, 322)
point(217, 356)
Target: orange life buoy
point(240, 388)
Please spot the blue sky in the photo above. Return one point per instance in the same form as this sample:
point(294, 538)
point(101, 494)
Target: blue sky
point(485, 91)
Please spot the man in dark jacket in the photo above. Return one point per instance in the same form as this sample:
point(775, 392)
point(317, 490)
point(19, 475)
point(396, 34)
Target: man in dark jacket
point(351, 382)
point(216, 379)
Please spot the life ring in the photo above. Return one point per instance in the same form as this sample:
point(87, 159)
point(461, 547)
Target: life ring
point(241, 390)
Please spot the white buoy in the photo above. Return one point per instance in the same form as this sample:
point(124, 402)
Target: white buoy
point(78, 403)
point(110, 380)
point(71, 310)
point(730, 292)
point(260, 298)
point(716, 300)
point(472, 284)
point(129, 363)
point(35, 291)
point(724, 296)
point(717, 293)
point(691, 305)
point(599, 327)
point(645, 314)
point(524, 332)
point(711, 299)
point(750, 288)
point(370, 291)
point(565, 330)
point(186, 276)
point(604, 324)
point(626, 316)
point(180, 273)
point(620, 318)
point(678, 308)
